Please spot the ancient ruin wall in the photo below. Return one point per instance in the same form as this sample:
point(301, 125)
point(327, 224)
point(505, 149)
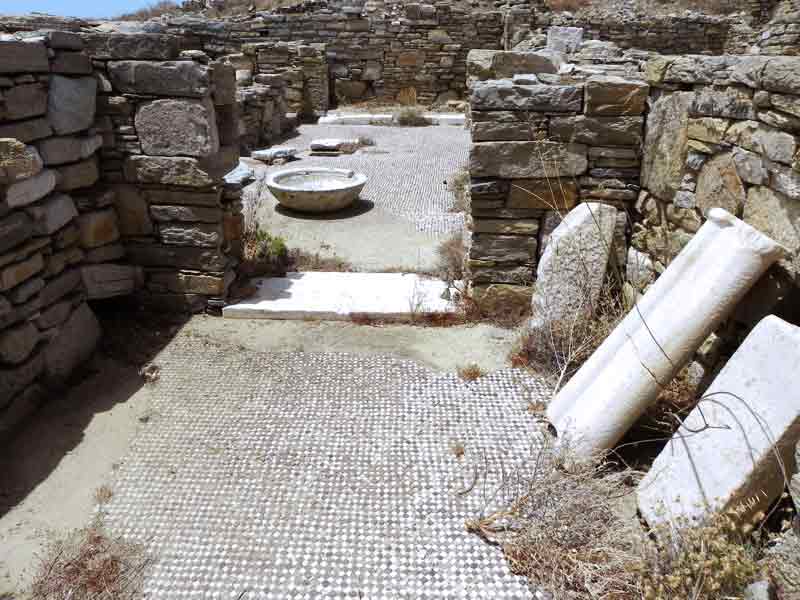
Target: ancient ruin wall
point(113, 155)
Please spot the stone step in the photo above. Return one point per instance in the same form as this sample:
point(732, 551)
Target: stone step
point(344, 296)
point(337, 118)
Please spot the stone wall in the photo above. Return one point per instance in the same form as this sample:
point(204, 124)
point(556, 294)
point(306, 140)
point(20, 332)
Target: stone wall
point(781, 36)
point(57, 231)
point(722, 131)
point(170, 131)
point(542, 142)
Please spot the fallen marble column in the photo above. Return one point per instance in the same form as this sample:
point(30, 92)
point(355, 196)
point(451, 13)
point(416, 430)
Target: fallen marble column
point(661, 333)
point(734, 450)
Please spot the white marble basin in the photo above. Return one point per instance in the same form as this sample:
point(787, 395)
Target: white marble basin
point(316, 189)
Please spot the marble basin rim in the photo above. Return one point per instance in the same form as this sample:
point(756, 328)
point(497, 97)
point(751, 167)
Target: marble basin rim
point(316, 189)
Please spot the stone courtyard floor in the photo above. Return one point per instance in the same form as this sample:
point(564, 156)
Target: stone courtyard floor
point(405, 208)
point(290, 460)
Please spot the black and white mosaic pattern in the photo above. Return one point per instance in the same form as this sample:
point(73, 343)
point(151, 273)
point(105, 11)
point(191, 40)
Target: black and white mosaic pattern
point(299, 475)
point(406, 168)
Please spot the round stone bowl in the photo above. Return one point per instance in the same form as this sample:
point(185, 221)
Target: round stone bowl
point(316, 189)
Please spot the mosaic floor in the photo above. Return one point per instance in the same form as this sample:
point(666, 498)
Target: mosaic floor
point(296, 475)
point(407, 168)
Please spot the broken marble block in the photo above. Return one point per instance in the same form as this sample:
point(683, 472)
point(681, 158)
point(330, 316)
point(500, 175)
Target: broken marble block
point(331, 145)
point(270, 155)
point(735, 449)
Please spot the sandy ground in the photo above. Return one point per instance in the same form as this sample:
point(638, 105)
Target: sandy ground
point(49, 473)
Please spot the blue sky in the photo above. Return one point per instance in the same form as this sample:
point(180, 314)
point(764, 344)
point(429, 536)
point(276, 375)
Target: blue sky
point(73, 8)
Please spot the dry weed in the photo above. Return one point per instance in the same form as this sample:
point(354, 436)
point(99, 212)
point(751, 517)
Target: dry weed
point(562, 531)
point(450, 255)
point(458, 185)
point(411, 116)
point(90, 565)
point(103, 494)
point(300, 260)
point(470, 372)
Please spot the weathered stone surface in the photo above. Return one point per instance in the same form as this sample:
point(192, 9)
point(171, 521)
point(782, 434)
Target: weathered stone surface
point(221, 164)
point(18, 161)
point(71, 63)
point(27, 131)
point(17, 343)
point(14, 229)
point(514, 160)
point(156, 255)
point(178, 128)
point(172, 78)
point(98, 228)
point(782, 74)
point(763, 139)
point(71, 103)
point(23, 57)
point(506, 226)
point(25, 291)
point(191, 283)
point(107, 253)
point(564, 39)
point(667, 145)
point(708, 129)
point(572, 268)
point(503, 249)
point(14, 274)
point(166, 171)
point(65, 40)
point(190, 214)
point(139, 46)
point(503, 95)
point(183, 197)
point(727, 453)
point(479, 63)
point(785, 180)
point(719, 185)
point(223, 78)
point(750, 166)
point(639, 270)
point(506, 64)
point(59, 261)
point(546, 194)
point(780, 120)
point(60, 286)
point(61, 150)
point(77, 175)
point(598, 131)
point(109, 280)
point(733, 103)
point(74, 344)
point(24, 101)
point(786, 103)
point(54, 315)
point(52, 214)
point(778, 217)
point(132, 210)
point(201, 235)
point(613, 96)
point(30, 190)
point(16, 379)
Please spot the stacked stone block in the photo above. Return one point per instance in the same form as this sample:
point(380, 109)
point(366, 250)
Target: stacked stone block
point(722, 132)
point(51, 233)
point(541, 143)
point(304, 70)
point(170, 136)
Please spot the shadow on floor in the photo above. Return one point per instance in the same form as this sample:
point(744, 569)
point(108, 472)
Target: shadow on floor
point(358, 208)
point(131, 338)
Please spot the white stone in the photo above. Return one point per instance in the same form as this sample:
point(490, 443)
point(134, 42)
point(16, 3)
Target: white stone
point(29, 191)
point(572, 268)
point(271, 154)
point(564, 39)
point(639, 270)
point(659, 336)
point(342, 296)
point(731, 446)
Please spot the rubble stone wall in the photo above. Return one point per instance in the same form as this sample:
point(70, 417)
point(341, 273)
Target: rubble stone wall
point(58, 232)
point(722, 131)
point(541, 143)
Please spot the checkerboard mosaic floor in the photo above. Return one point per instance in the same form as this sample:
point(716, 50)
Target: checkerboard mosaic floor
point(277, 476)
point(406, 168)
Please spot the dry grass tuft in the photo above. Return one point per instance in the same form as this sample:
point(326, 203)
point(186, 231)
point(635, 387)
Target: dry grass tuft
point(103, 494)
point(470, 372)
point(90, 565)
point(300, 260)
point(411, 116)
point(458, 184)
point(562, 531)
point(558, 349)
point(450, 255)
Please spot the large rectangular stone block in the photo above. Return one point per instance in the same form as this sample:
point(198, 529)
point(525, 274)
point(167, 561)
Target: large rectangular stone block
point(52, 214)
point(71, 103)
point(518, 160)
point(68, 149)
point(77, 175)
point(24, 101)
point(504, 95)
point(734, 449)
point(74, 344)
point(156, 255)
point(110, 280)
point(178, 128)
point(614, 96)
point(598, 131)
point(179, 171)
point(172, 78)
point(30, 190)
point(27, 131)
point(23, 57)
point(140, 46)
